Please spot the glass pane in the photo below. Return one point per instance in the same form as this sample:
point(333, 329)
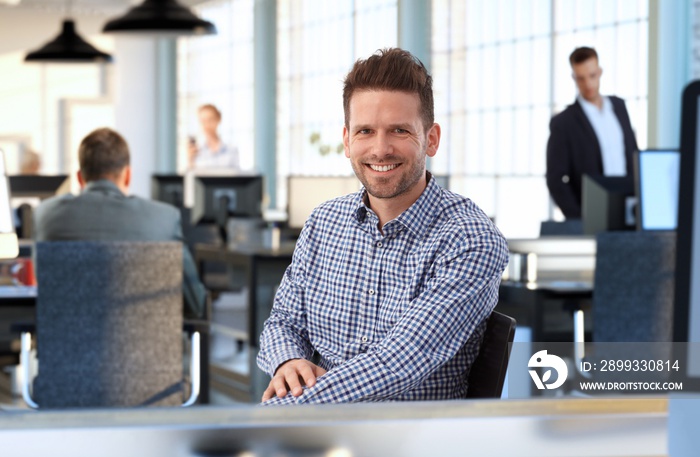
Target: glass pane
point(524, 12)
point(585, 14)
point(542, 17)
point(522, 141)
point(607, 12)
point(565, 11)
point(521, 203)
point(481, 190)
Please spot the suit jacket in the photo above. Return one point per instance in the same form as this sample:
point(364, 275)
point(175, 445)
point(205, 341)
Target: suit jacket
point(573, 150)
point(103, 212)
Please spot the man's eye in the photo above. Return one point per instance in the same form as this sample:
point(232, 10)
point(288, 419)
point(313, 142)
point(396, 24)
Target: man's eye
point(401, 131)
point(364, 131)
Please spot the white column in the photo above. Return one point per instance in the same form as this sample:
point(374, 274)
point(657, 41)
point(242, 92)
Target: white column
point(265, 93)
point(145, 100)
point(670, 55)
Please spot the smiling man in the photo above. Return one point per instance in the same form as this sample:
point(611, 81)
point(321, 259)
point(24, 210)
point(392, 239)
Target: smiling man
point(592, 136)
point(389, 288)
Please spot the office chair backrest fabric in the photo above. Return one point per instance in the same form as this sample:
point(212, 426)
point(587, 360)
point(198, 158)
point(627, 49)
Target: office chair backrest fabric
point(488, 372)
point(634, 284)
point(109, 324)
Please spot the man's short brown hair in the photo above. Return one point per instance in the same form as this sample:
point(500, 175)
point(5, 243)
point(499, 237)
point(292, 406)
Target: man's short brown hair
point(102, 154)
point(582, 54)
point(391, 69)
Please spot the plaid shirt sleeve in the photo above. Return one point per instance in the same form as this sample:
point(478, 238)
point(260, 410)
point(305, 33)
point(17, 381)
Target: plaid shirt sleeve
point(437, 323)
point(285, 335)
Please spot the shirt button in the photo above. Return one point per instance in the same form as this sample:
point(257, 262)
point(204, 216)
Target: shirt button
point(364, 339)
point(379, 244)
point(371, 291)
point(565, 179)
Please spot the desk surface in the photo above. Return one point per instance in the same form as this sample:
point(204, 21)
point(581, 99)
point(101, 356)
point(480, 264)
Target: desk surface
point(563, 287)
point(544, 428)
point(17, 291)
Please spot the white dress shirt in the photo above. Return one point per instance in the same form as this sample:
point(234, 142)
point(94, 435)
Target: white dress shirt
point(610, 137)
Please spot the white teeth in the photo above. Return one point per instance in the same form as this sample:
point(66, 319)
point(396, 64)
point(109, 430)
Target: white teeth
point(382, 167)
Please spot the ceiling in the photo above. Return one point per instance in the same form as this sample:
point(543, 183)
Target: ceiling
point(79, 7)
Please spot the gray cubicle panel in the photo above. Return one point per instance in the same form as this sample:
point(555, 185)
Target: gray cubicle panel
point(687, 290)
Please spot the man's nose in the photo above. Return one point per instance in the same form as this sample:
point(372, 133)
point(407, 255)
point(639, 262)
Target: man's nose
point(383, 144)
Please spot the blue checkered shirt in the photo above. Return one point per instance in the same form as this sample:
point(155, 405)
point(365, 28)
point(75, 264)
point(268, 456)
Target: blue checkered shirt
point(393, 316)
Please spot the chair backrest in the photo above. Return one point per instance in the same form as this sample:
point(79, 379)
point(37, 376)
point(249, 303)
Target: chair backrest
point(634, 287)
point(488, 372)
point(109, 324)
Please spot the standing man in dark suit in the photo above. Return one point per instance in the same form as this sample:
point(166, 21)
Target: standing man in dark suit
point(105, 211)
point(593, 136)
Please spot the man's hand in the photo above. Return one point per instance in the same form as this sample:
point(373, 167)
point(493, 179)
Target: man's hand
point(291, 376)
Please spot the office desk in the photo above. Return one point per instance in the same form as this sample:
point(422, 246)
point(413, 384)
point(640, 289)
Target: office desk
point(595, 427)
point(530, 303)
point(262, 270)
point(22, 296)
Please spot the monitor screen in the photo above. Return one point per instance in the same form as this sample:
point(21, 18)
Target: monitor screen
point(656, 174)
point(168, 189)
point(686, 315)
point(35, 185)
point(304, 193)
point(607, 203)
point(8, 237)
point(218, 197)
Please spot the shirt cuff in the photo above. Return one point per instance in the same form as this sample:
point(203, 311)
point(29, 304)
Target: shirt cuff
point(273, 360)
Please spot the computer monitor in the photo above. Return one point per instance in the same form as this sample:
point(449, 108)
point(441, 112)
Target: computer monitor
point(9, 247)
point(686, 315)
point(304, 193)
point(216, 198)
point(656, 175)
point(39, 186)
point(607, 203)
point(168, 188)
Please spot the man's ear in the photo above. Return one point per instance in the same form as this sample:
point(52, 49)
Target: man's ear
point(346, 141)
point(81, 181)
point(432, 140)
point(127, 176)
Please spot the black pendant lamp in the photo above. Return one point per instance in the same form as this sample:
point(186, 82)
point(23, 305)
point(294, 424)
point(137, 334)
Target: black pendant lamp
point(160, 17)
point(68, 47)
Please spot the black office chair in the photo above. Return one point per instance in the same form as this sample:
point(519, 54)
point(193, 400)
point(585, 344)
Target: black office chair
point(109, 326)
point(488, 372)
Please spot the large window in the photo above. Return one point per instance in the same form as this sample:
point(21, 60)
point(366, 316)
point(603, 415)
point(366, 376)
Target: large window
point(501, 71)
point(218, 69)
point(317, 43)
point(37, 103)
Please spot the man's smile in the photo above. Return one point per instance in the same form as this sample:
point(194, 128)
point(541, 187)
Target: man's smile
point(383, 168)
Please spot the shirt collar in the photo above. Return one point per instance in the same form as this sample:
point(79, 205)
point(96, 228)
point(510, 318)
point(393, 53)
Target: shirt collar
point(417, 217)
point(590, 108)
point(103, 185)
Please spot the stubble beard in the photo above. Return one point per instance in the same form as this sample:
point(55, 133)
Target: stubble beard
point(380, 187)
